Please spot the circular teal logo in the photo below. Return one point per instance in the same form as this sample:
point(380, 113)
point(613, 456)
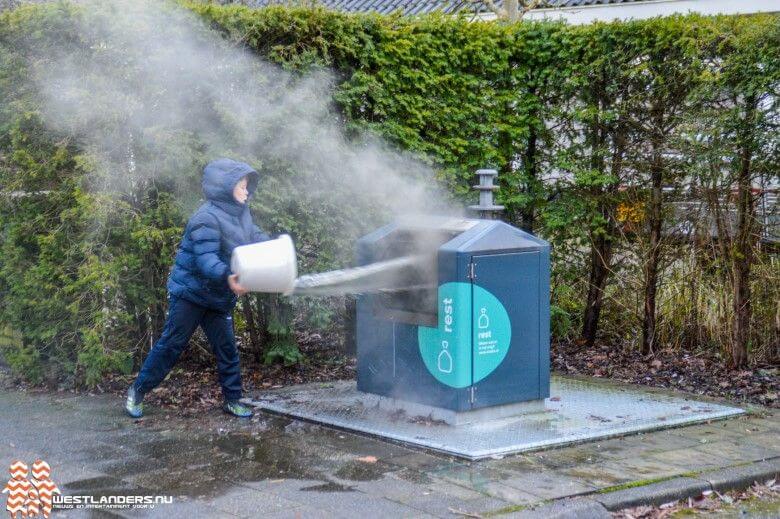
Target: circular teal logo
point(472, 338)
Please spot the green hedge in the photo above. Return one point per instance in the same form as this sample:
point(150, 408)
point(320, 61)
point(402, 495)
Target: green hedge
point(82, 274)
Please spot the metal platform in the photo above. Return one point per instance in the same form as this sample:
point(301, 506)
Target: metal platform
point(577, 411)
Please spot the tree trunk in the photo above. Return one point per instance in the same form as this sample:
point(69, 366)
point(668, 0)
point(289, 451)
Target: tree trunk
point(600, 250)
point(742, 255)
point(600, 259)
point(655, 221)
point(279, 322)
point(601, 246)
point(530, 168)
point(506, 174)
point(350, 321)
point(254, 336)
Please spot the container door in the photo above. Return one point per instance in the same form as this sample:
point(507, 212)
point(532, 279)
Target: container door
point(505, 321)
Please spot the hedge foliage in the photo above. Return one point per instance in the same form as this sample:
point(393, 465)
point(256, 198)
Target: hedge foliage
point(82, 274)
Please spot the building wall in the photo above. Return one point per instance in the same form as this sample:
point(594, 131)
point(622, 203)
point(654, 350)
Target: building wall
point(650, 9)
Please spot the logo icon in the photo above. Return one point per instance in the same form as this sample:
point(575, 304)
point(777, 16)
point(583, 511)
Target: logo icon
point(30, 498)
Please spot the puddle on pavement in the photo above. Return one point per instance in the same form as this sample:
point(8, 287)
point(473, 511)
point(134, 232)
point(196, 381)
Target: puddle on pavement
point(414, 476)
point(329, 487)
point(361, 471)
point(183, 461)
point(93, 483)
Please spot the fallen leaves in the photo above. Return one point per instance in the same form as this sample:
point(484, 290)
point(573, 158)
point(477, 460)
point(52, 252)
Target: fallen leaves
point(701, 373)
point(708, 501)
point(192, 387)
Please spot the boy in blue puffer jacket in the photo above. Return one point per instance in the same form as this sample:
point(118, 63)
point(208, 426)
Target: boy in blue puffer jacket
point(202, 290)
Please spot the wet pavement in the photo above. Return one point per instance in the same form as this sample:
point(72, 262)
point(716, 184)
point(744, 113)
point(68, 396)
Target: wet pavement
point(217, 466)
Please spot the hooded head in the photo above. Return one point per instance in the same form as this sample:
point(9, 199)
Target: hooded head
point(221, 176)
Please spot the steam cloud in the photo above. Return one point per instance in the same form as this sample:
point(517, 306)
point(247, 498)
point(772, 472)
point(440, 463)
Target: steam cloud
point(158, 93)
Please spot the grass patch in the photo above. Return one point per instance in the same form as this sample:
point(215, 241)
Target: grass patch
point(506, 510)
point(686, 512)
point(633, 484)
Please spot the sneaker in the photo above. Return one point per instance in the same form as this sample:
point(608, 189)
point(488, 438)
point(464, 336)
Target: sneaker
point(237, 409)
point(133, 405)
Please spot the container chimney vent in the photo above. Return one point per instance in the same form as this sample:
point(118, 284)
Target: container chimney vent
point(486, 208)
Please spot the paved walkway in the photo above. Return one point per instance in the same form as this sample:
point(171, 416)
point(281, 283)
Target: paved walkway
point(216, 466)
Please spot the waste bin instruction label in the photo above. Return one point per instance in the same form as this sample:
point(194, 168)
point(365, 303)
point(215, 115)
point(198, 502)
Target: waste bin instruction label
point(492, 333)
point(447, 350)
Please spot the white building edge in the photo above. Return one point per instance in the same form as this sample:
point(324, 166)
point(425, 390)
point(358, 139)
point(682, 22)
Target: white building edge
point(646, 9)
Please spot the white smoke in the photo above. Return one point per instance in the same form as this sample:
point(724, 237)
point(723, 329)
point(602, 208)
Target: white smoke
point(153, 92)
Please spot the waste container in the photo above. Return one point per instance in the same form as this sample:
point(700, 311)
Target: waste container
point(468, 327)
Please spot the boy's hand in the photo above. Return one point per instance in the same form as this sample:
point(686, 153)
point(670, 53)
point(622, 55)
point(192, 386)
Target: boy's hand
point(235, 286)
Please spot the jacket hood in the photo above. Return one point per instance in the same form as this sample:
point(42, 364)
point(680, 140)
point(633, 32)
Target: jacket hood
point(221, 176)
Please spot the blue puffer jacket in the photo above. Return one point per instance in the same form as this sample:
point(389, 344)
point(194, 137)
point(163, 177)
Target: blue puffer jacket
point(202, 263)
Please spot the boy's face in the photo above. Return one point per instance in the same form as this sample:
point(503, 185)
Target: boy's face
point(240, 192)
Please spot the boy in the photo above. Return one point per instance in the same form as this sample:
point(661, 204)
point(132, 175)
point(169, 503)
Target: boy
point(202, 290)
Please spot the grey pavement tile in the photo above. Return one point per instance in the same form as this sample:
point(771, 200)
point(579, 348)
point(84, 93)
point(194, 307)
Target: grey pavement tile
point(616, 448)
point(324, 496)
point(281, 486)
point(182, 510)
point(10, 454)
point(413, 476)
point(770, 440)
point(487, 504)
point(739, 451)
point(690, 459)
point(357, 505)
point(102, 451)
point(768, 423)
point(661, 440)
point(359, 445)
point(63, 474)
point(454, 489)
point(391, 487)
point(710, 433)
point(448, 507)
point(566, 457)
point(247, 502)
point(470, 474)
point(423, 461)
point(549, 485)
point(509, 494)
point(179, 509)
point(304, 512)
point(181, 483)
point(641, 468)
point(598, 476)
point(577, 508)
point(519, 463)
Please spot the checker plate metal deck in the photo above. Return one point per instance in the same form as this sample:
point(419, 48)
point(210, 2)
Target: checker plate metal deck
point(578, 411)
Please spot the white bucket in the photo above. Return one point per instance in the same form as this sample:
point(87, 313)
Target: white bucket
point(267, 266)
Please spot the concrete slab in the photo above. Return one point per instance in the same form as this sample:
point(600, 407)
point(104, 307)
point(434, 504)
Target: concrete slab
point(577, 508)
point(549, 485)
point(652, 494)
point(742, 476)
point(578, 411)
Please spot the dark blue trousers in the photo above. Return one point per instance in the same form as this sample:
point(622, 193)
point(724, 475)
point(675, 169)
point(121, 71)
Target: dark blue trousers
point(183, 319)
